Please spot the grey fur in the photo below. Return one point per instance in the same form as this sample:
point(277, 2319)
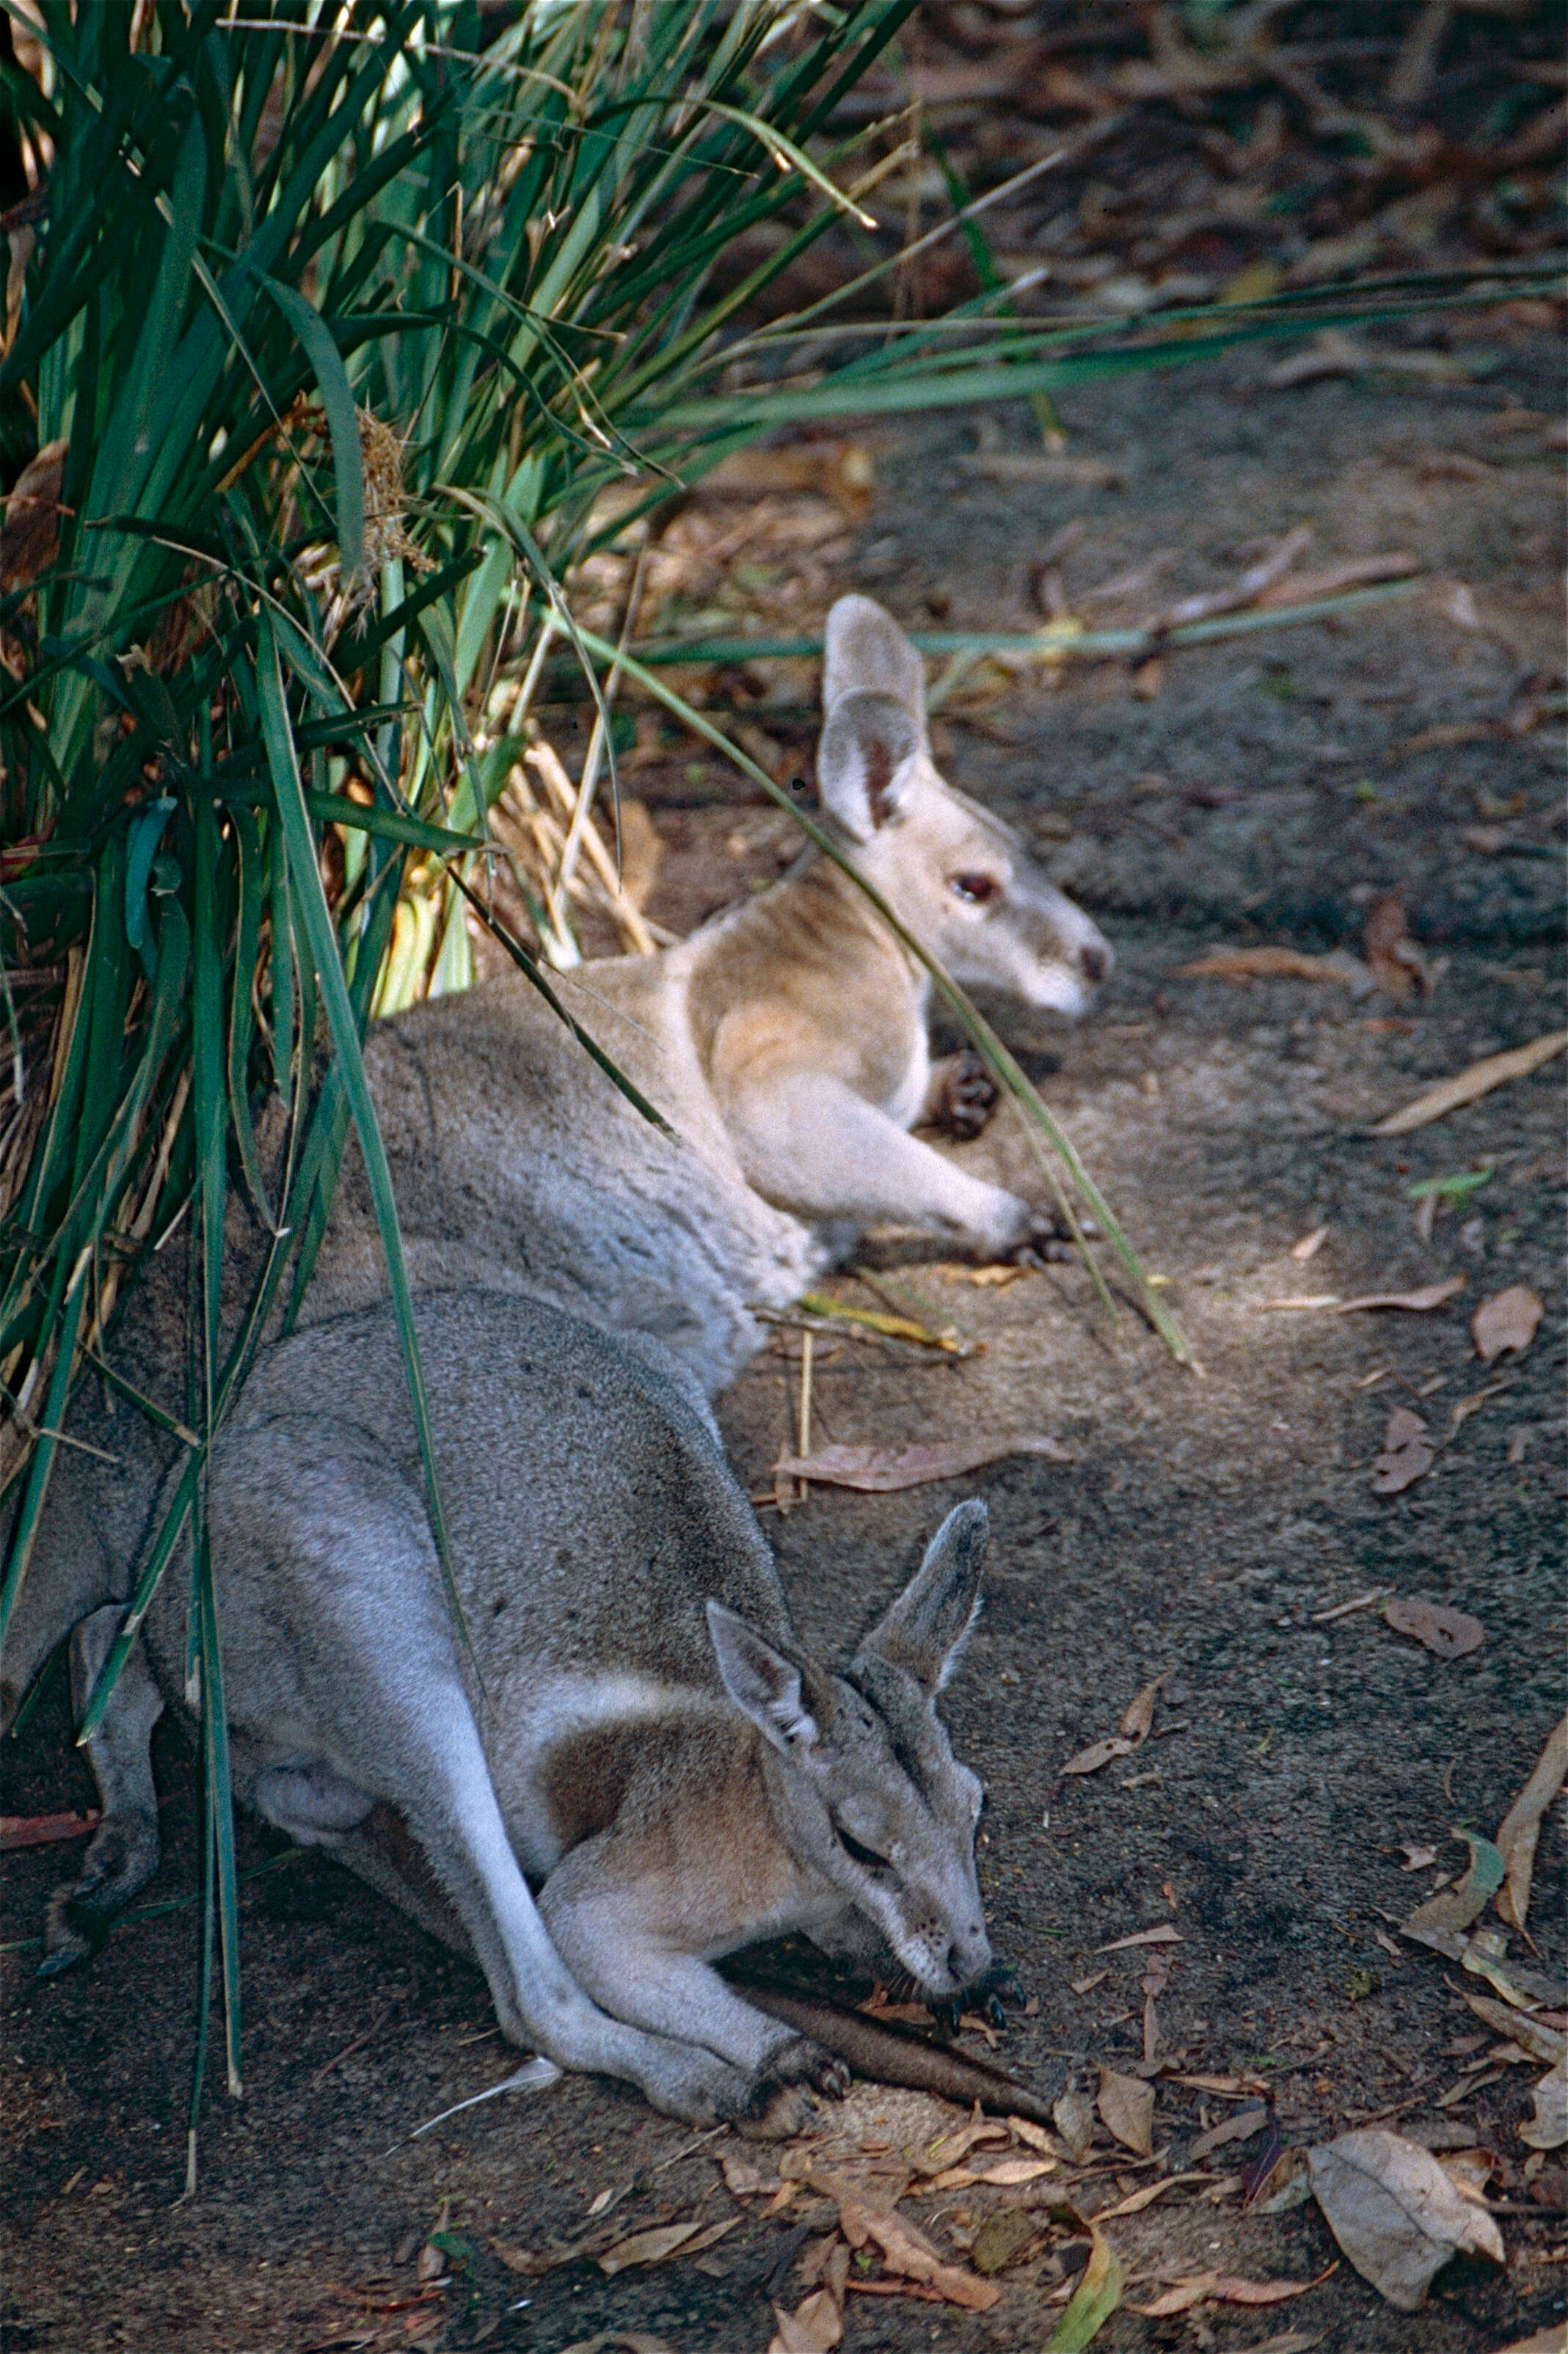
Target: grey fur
point(668, 1804)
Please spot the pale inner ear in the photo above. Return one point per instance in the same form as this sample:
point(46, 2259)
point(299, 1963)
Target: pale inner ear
point(866, 761)
point(764, 1685)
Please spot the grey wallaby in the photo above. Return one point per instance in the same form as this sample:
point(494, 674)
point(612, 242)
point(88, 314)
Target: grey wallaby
point(637, 1730)
point(785, 1042)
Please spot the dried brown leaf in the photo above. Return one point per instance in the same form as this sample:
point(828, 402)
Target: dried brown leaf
point(1074, 2116)
point(1395, 2213)
point(1407, 1454)
point(647, 2247)
point(1520, 1827)
point(1002, 2239)
point(906, 2251)
point(1467, 1086)
point(1099, 1753)
point(1265, 964)
point(879, 1470)
point(1507, 1320)
point(1199, 2286)
point(1126, 2104)
point(1139, 1714)
point(1164, 1933)
point(1451, 1634)
point(1419, 1303)
point(1547, 2128)
point(815, 2327)
point(1547, 2044)
point(1239, 2127)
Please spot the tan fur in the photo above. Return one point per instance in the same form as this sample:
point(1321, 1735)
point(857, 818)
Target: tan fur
point(785, 1043)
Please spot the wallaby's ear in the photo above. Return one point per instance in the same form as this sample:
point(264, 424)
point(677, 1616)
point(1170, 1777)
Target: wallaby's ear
point(866, 652)
point(763, 1684)
point(866, 761)
point(925, 1631)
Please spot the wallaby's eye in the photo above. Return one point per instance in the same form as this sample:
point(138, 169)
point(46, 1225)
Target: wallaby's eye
point(974, 890)
point(866, 1857)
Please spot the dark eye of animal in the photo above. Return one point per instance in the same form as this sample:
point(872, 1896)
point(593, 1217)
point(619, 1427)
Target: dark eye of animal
point(866, 1857)
point(973, 889)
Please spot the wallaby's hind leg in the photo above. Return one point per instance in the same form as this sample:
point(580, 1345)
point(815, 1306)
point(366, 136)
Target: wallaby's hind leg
point(124, 1852)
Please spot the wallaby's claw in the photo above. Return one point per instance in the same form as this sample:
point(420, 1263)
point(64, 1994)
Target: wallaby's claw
point(969, 1097)
point(984, 2000)
point(804, 2062)
point(1049, 1241)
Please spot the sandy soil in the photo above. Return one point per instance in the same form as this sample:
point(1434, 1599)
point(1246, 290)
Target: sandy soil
point(1201, 1529)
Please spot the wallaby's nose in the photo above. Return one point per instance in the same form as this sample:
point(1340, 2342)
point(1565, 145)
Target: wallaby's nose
point(1094, 962)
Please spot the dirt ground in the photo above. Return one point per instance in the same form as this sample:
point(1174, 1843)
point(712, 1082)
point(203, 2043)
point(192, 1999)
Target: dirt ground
point(1258, 791)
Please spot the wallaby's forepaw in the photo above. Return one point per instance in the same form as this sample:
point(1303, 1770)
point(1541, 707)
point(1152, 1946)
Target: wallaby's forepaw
point(984, 2000)
point(964, 1097)
point(806, 2062)
point(1048, 1239)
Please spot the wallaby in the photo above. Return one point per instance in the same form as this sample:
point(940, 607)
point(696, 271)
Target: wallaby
point(633, 1725)
point(785, 1042)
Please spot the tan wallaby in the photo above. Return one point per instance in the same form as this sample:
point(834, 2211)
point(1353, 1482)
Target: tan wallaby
point(785, 1042)
point(636, 1729)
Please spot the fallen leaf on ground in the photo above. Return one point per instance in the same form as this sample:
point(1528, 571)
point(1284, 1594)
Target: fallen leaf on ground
point(1239, 2127)
point(1430, 1295)
point(878, 1470)
point(622, 2342)
point(1033, 2137)
point(1040, 466)
point(1265, 964)
point(1000, 2238)
point(1547, 2044)
point(1465, 1087)
point(647, 2247)
point(1520, 1827)
point(43, 1831)
point(1553, 2340)
point(1407, 1454)
point(1548, 2129)
point(984, 1279)
point(1010, 2171)
point(1454, 1908)
point(1092, 2302)
point(1074, 2116)
point(743, 2177)
point(1416, 1858)
point(1395, 2213)
point(905, 2250)
point(1288, 2341)
point(1507, 1320)
point(1139, 1713)
point(1137, 1719)
point(1199, 2286)
point(1086, 1986)
point(1126, 2104)
point(1451, 1634)
point(1139, 2199)
point(1310, 1245)
point(1099, 1753)
point(1356, 572)
point(1162, 1934)
point(815, 2327)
